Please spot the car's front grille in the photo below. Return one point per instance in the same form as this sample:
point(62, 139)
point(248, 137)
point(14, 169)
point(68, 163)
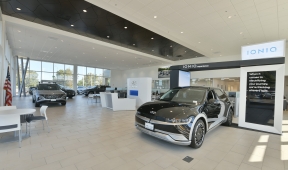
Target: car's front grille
point(54, 96)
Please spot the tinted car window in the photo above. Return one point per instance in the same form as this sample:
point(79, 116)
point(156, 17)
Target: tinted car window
point(221, 95)
point(185, 95)
point(48, 87)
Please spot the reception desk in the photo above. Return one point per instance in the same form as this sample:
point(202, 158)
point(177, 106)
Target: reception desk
point(111, 101)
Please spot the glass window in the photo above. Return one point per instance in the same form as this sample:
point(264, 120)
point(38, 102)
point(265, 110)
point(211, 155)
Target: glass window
point(99, 72)
point(90, 71)
point(69, 69)
point(58, 67)
point(221, 95)
point(107, 81)
point(32, 78)
point(90, 80)
point(48, 67)
point(34, 65)
point(47, 76)
point(69, 80)
point(99, 81)
point(185, 95)
point(106, 73)
point(81, 70)
point(80, 80)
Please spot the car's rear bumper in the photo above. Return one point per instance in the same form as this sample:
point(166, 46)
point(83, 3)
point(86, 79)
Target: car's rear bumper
point(166, 136)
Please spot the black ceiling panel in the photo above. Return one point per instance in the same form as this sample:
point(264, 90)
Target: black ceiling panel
point(96, 23)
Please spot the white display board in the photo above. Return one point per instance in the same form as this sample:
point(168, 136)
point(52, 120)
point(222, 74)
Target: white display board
point(139, 89)
point(184, 78)
point(278, 107)
point(264, 50)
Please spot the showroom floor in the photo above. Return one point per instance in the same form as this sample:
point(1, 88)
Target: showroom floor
point(86, 136)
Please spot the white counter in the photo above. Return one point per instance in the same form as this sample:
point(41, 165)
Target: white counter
point(111, 101)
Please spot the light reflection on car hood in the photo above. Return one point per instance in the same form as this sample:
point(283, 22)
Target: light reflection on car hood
point(50, 92)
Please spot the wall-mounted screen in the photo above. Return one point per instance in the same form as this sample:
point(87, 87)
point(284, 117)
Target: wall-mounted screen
point(134, 92)
point(260, 100)
point(164, 73)
point(184, 78)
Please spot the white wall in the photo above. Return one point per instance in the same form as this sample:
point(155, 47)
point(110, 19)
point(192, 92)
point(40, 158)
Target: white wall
point(118, 79)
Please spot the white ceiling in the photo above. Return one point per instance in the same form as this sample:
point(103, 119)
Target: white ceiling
point(211, 27)
point(45, 45)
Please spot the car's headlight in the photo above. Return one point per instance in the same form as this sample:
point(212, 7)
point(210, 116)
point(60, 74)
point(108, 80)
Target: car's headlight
point(41, 97)
point(138, 113)
point(174, 120)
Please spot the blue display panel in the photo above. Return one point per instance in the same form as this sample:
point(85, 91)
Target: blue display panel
point(134, 92)
point(184, 78)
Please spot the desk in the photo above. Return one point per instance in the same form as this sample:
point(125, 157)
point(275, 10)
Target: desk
point(111, 101)
point(18, 111)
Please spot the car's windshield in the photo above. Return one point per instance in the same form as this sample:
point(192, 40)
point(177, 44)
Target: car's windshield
point(185, 95)
point(48, 87)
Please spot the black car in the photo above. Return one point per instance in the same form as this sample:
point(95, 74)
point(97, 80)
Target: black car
point(70, 92)
point(94, 90)
point(184, 115)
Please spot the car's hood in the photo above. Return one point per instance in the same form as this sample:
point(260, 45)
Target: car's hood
point(51, 92)
point(162, 110)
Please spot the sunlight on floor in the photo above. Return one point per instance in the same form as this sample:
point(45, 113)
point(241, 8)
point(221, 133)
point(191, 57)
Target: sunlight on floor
point(263, 138)
point(284, 152)
point(258, 153)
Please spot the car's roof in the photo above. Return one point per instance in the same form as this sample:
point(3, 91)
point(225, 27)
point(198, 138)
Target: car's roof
point(201, 87)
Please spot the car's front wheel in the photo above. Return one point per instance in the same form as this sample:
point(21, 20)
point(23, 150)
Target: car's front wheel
point(229, 118)
point(198, 134)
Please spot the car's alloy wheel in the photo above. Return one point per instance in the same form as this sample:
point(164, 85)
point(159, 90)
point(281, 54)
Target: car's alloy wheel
point(198, 134)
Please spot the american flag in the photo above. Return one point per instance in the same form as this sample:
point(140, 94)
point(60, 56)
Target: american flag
point(7, 87)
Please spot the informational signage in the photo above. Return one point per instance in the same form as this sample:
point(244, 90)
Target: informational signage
point(260, 98)
point(164, 73)
point(265, 50)
point(184, 78)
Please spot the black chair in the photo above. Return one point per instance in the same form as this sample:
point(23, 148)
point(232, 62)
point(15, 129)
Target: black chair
point(35, 118)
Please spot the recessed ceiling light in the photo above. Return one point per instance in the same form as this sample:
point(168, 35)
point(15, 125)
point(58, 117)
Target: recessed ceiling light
point(241, 32)
point(155, 16)
point(105, 57)
point(125, 27)
point(185, 51)
point(122, 60)
point(83, 53)
point(133, 44)
point(107, 36)
point(182, 32)
point(84, 10)
point(152, 38)
point(199, 42)
point(167, 55)
point(93, 48)
point(230, 17)
point(211, 49)
point(137, 63)
point(171, 46)
point(19, 40)
point(18, 9)
point(152, 50)
point(55, 47)
point(19, 47)
point(62, 40)
point(72, 25)
point(19, 31)
point(220, 55)
point(195, 56)
point(150, 61)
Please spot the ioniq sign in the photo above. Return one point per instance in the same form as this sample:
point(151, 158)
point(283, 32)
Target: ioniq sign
point(265, 50)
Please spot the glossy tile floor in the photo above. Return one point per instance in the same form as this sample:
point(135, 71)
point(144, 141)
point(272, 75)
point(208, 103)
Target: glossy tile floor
point(86, 136)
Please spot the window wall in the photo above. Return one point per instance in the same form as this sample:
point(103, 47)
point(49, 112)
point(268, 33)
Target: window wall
point(38, 71)
point(90, 76)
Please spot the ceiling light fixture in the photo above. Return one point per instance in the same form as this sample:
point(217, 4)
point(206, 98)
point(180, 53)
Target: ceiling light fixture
point(199, 42)
point(84, 10)
point(55, 47)
point(93, 48)
point(107, 36)
point(211, 49)
point(125, 27)
point(182, 32)
point(152, 50)
point(241, 32)
point(230, 17)
point(185, 51)
point(171, 46)
point(152, 38)
point(19, 31)
point(133, 44)
point(18, 9)
point(72, 25)
point(62, 40)
point(19, 47)
point(155, 16)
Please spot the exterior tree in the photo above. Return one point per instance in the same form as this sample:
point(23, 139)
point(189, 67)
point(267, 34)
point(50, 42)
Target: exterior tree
point(64, 77)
